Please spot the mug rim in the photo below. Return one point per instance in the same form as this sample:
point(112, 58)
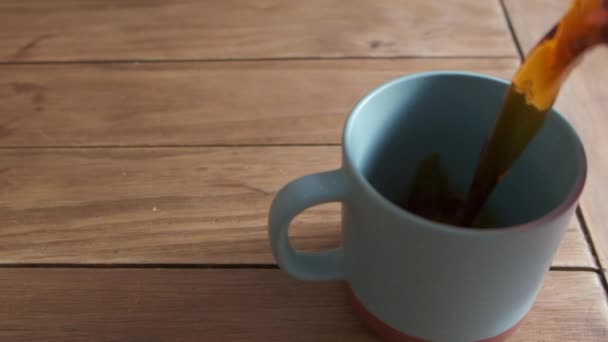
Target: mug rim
point(565, 204)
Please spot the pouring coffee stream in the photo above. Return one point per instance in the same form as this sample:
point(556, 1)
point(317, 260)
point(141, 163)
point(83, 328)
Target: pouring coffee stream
point(528, 100)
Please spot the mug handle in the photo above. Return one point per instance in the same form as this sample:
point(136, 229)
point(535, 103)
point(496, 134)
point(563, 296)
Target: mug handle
point(292, 199)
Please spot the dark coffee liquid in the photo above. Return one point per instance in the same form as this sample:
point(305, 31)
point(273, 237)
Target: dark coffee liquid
point(517, 124)
point(527, 102)
point(432, 197)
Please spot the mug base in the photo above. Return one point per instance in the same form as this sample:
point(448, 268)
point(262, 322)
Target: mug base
point(391, 334)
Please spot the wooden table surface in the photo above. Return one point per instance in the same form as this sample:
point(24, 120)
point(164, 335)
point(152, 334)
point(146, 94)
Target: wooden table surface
point(141, 143)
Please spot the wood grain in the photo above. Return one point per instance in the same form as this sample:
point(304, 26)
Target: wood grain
point(584, 100)
point(67, 30)
point(574, 250)
point(239, 305)
point(265, 102)
point(166, 205)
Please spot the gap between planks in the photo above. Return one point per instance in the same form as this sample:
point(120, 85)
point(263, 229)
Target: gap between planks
point(211, 266)
point(177, 146)
point(236, 60)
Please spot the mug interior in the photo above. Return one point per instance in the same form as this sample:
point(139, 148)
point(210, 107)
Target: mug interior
point(402, 122)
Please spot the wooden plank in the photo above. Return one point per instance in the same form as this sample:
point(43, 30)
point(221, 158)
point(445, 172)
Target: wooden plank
point(265, 102)
point(584, 99)
point(239, 305)
point(570, 307)
point(574, 251)
point(68, 30)
point(165, 205)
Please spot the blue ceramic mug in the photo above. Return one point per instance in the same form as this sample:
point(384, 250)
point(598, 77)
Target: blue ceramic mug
point(413, 279)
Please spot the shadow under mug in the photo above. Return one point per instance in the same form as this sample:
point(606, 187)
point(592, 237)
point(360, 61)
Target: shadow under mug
point(413, 279)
